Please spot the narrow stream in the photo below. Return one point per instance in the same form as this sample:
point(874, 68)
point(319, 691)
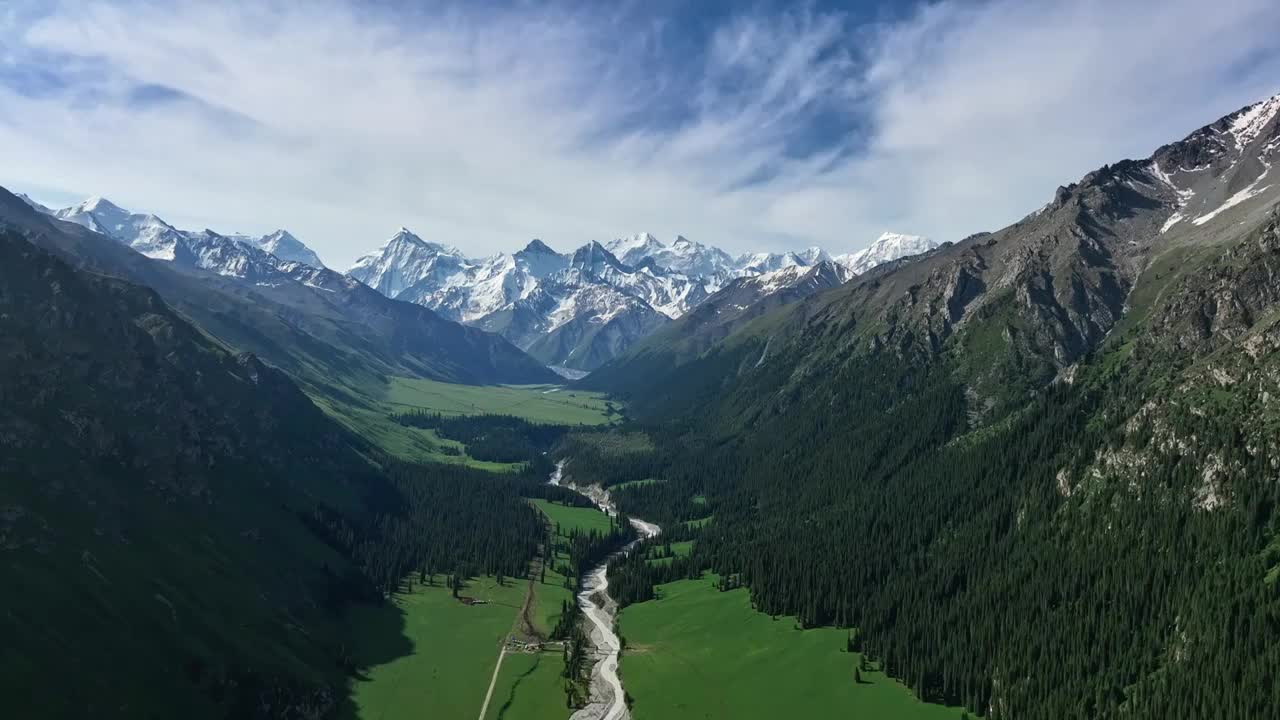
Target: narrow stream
point(607, 699)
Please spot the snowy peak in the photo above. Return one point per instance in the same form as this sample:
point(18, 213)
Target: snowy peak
point(764, 262)
point(406, 240)
point(157, 239)
point(405, 260)
point(537, 247)
point(814, 255)
point(631, 250)
point(232, 257)
point(538, 260)
point(1219, 173)
point(709, 265)
point(822, 274)
point(145, 233)
point(1247, 124)
point(283, 245)
point(403, 236)
point(888, 247)
point(594, 258)
point(99, 206)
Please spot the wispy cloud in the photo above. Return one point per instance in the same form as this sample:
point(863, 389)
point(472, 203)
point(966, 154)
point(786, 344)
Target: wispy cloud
point(484, 127)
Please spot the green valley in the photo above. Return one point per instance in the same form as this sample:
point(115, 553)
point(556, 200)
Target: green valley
point(1023, 465)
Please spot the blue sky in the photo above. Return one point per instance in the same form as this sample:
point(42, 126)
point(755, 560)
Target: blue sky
point(483, 124)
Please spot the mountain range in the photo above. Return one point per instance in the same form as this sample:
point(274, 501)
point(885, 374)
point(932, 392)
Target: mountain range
point(570, 311)
point(332, 333)
point(576, 311)
point(1051, 287)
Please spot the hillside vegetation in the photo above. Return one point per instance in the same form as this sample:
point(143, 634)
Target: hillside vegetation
point(1036, 469)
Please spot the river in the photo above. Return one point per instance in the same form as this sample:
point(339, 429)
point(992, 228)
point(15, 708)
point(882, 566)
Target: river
point(607, 700)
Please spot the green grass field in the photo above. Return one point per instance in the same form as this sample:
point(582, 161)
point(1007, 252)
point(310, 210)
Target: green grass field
point(453, 647)
point(700, 653)
point(678, 549)
point(529, 688)
point(568, 517)
point(375, 425)
point(366, 410)
point(550, 404)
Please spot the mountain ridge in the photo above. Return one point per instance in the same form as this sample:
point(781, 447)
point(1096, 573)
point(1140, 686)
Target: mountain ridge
point(1065, 430)
point(582, 309)
point(324, 328)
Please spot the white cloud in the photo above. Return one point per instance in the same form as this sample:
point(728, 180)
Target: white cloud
point(483, 131)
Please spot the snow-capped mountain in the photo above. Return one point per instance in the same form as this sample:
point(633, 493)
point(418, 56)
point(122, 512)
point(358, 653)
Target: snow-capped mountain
point(633, 249)
point(573, 310)
point(760, 263)
point(283, 245)
point(406, 260)
point(309, 321)
point(820, 275)
point(159, 240)
point(145, 233)
point(1220, 168)
point(232, 257)
point(581, 309)
point(684, 256)
point(888, 247)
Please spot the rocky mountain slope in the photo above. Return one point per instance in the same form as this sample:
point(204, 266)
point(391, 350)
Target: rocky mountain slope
point(1065, 429)
point(1031, 300)
point(651, 361)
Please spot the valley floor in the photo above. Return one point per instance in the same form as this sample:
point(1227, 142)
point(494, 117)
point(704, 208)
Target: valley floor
point(366, 409)
point(445, 669)
point(696, 652)
point(453, 647)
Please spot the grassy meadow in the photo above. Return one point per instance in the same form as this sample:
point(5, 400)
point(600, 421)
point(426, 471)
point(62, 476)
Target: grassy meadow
point(551, 404)
point(453, 647)
point(445, 670)
point(529, 688)
point(366, 409)
point(567, 517)
point(698, 653)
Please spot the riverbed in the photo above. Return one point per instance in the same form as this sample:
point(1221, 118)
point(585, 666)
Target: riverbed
point(607, 698)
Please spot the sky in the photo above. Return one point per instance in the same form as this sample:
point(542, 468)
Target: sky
point(751, 126)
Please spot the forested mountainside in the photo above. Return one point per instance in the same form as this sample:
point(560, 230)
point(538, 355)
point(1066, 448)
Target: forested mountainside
point(322, 327)
point(1037, 470)
point(181, 529)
